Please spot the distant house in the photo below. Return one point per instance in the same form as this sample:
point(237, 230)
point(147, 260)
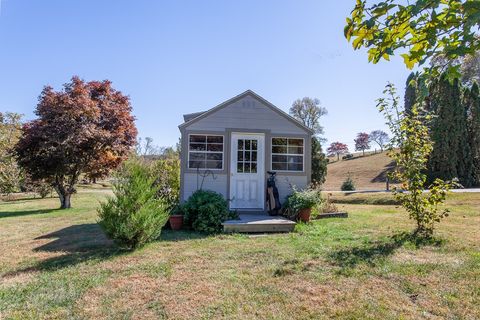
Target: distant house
point(230, 148)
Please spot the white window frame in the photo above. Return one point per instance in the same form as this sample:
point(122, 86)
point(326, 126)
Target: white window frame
point(206, 135)
point(286, 154)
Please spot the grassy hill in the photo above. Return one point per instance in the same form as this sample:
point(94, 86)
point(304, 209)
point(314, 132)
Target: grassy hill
point(368, 172)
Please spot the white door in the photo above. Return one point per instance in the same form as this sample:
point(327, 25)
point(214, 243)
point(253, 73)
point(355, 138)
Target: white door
point(247, 171)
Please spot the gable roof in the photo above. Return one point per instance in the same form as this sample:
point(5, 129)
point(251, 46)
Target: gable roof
point(189, 116)
point(194, 117)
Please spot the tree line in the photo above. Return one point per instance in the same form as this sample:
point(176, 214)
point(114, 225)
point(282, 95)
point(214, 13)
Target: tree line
point(363, 142)
point(454, 126)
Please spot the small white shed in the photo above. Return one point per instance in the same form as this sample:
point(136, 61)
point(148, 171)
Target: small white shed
point(230, 148)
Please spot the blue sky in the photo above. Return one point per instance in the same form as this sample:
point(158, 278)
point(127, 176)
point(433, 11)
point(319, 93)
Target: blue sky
point(176, 57)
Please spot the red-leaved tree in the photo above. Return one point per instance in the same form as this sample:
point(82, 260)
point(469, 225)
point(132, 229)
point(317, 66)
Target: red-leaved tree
point(337, 148)
point(362, 142)
point(86, 128)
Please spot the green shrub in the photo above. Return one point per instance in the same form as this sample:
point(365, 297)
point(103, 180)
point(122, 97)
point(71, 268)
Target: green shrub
point(135, 215)
point(299, 200)
point(206, 210)
point(167, 172)
point(348, 185)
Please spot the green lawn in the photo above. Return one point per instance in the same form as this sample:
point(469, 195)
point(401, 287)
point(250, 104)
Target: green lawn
point(58, 264)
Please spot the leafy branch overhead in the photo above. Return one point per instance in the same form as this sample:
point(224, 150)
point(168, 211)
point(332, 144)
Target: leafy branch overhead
point(419, 30)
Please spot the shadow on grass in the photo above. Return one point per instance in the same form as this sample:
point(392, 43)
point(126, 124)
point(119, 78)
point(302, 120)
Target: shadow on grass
point(374, 250)
point(87, 243)
point(74, 244)
point(82, 242)
point(382, 176)
point(11, 214)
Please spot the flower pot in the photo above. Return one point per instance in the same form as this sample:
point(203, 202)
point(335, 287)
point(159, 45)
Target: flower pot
point(176, 221)
point(304, 214)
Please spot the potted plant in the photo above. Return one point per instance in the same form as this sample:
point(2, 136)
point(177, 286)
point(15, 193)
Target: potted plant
point(300, 203)
point(176, 218)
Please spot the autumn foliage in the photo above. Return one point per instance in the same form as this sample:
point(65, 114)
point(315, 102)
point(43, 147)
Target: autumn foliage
point(362, 142)
point(337, 148)
point(86, 128)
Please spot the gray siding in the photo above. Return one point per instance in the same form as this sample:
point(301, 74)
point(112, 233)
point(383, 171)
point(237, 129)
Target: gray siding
point(191, 184)
point(284, 184)
point(246, 113)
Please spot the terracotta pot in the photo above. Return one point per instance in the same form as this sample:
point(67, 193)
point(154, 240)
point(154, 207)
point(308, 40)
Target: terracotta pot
point(176, 221)
point(304, 214)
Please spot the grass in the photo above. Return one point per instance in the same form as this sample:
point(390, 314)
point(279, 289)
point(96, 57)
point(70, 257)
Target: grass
point(368, 172)
point(58, 264)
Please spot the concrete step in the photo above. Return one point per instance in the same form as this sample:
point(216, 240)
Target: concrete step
point(258, 223)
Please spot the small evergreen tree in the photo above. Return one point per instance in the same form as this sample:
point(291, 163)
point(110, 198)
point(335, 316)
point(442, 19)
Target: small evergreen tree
point(319, 162)
point(348, 184)
point(136, 214)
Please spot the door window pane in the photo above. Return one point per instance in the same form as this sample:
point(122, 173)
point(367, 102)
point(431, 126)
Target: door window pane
point(247, 155)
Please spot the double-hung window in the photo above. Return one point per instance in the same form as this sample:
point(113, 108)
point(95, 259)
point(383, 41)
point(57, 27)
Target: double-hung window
point(288, 154)
point(205, 151)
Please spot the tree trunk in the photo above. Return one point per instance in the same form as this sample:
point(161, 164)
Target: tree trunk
point(64, 197)
point(66, 204)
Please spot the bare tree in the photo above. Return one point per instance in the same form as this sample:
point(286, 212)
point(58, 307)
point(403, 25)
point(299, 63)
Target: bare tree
point(379, 137)
point(309, 111)
point(147, 148)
